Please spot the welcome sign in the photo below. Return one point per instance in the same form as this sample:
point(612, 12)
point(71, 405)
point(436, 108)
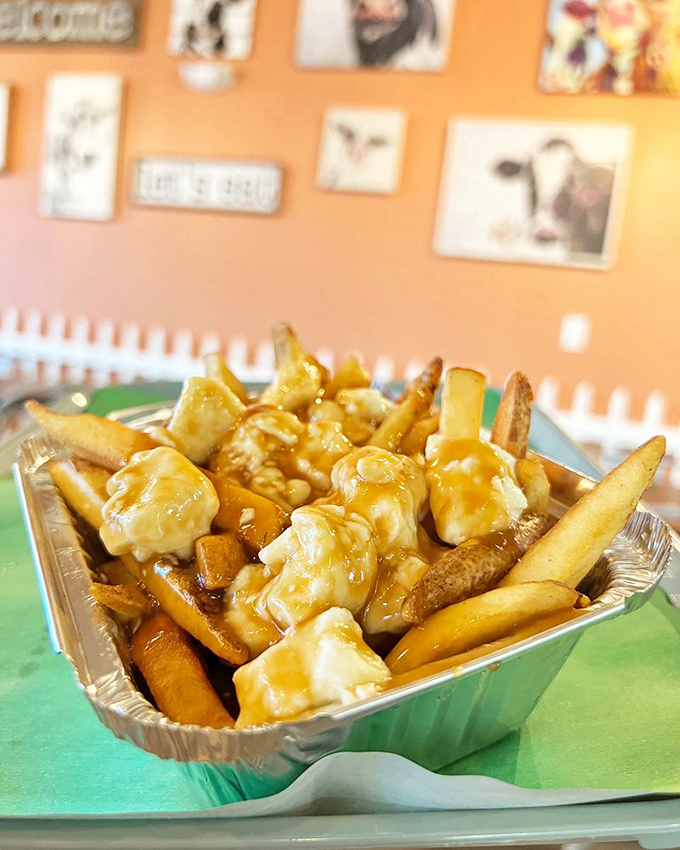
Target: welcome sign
point(53, 23)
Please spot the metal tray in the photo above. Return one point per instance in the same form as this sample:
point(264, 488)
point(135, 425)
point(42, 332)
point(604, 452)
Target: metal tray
point(432, 722)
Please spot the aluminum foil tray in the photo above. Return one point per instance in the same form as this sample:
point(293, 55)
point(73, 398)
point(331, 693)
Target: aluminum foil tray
point(433, 722)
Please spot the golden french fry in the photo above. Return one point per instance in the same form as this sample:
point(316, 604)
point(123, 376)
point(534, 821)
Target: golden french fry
point(252, 518)
point(430, 376)
point(218, 558)
point(117, 573)
point(126, 599)
point(414, 441)
point(534, 484)
point(177, 591)
point(102, 441)
point(287, 346)
point(416, 404)
point(351, 375)
point(462, 404)
point(205, 410)
point(216, 367)
point(573, 545)
point(513, 417)
point(83, 486)
point(478, 620)
point(174, 672)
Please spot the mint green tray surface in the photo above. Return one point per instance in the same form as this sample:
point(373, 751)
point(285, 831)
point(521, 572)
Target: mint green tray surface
point(611, 719)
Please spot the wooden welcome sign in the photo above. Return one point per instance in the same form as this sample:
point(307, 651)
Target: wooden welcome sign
point(58, 23)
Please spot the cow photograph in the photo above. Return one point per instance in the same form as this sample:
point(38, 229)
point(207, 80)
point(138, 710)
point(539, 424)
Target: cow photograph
point(408, 35)
point(80, 153)
point(361, 150)
point(547, 193)
point(615, 46)
point(212, 29)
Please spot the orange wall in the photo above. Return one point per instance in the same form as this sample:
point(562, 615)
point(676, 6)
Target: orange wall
point(352, 272)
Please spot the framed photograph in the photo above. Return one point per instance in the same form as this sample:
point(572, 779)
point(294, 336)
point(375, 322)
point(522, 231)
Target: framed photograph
point(520, 191)
point(80, 149)
point(212, 28)
point(362, 150)
point(216, 185)
point(615, 46)
point(407, 35)
point(4, 122)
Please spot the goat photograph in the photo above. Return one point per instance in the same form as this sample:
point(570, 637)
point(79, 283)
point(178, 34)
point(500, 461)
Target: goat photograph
point(212, 29)
point(80, 153)
point(547, 193)
point(409, 35)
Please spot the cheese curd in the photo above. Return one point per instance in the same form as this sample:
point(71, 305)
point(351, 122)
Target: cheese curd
point(326, 558)
point(243, 614)
point(473, 490)
point(203, 413)
point(295, 385)
point(159, 504)
point(322, 662)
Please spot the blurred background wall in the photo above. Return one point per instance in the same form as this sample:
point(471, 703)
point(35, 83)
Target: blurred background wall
point(352, 272)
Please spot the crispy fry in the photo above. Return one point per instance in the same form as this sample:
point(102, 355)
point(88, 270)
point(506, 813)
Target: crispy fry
point(431, 375)
point(218, 558)
point(128, 600)
point(513, 417)
point(179, 594)
point(216, 367)
point(83, 486)
point(253, 519)
point(400, 420)
point(534, 482)
point(174, 672)
point(573, 545)
point(205, 410)
point(462, 404)
point(478, 620)
point(351, 375)
point(287, 346)
point(117, 573)
point(102, 441)
point(414, 441)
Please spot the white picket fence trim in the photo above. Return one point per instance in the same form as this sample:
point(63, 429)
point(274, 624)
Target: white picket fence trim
point(57, 349)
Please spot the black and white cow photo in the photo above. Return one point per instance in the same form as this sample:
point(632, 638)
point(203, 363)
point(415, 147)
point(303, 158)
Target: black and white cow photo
point(410, 35)
point(82, 118)
point(212, 28)
point(547, 193)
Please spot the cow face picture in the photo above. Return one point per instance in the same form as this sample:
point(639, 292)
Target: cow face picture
point(212, 28)
point(533, 192)
point(408, 35)
point(361, 150)
point(615, 46)
point(80, 156)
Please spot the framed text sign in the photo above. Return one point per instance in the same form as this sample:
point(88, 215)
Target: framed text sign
point(59, 23)
point(218, 185)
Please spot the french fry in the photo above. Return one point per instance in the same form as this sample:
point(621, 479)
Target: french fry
point(102, 441)
point(462, 404)
point(174, 672)
point(573, 545)
point(534, 484)
point(125, 599)
point(351, 375)
point(253, 519)
point(216, 367)
point(431, 374)
point(178, 593)
point(479, 620)
point(513, 417)
point(83, 486)
point(287, 347)
point(400, 420)
point(218, 558)
point(205, 410)
point(117, 573)
point(414, 442)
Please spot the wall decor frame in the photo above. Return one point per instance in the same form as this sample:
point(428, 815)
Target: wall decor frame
point(212, 29)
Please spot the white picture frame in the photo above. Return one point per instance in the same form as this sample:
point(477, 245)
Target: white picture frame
point(361, 150)
point(80, 148)
point(212, 29)
point(550, 193)
point(5, 94)
point(412, 35)
point(206, 184)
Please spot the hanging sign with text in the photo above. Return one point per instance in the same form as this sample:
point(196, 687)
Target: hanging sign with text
point(217, 185)
point(60, 23)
